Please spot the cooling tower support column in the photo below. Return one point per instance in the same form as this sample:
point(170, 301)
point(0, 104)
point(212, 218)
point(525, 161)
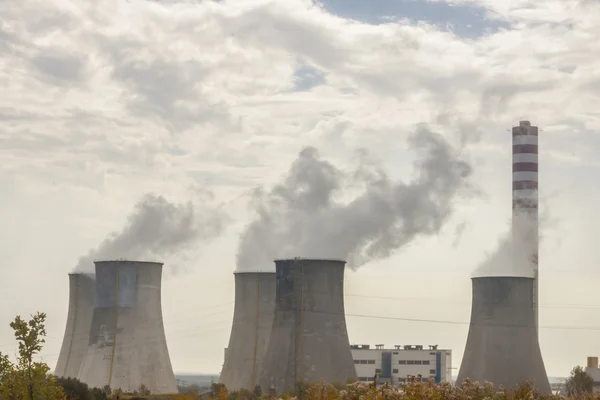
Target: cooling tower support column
point(127, 344)
point(252, 322)
point(309, 339)
point(502, 345)
point(79, 321)
point(525, 199)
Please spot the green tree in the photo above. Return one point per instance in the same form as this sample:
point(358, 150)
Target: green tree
point(28, 379)
point(579, 382)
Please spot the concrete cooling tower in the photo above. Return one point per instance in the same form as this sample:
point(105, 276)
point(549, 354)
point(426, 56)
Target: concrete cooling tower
point(502, 345)
point(127, 344)
point(79, 321)
point(309, 340)
point(252, 322)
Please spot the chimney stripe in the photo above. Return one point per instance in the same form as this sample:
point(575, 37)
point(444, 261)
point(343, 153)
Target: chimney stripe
point(525, 148)
point(525, 139)
point(525, 176)
point(525, 167)
point(525, 185)
point(524, 157)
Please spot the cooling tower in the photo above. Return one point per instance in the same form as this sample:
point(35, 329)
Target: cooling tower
point(525, 199)
point(502, 345)
point(127, 344)
point(79, 321)
point(309, 340)
point(252, 322)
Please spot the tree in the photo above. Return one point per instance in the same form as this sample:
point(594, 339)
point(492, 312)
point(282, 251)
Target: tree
point(579, 382)
point(76, 390)
point(27, 379)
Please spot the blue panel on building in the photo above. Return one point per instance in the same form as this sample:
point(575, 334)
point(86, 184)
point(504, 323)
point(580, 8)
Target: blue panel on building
point(386, 364)
point(438, 367)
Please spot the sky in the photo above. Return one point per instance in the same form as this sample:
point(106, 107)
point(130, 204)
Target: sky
point(203, 102)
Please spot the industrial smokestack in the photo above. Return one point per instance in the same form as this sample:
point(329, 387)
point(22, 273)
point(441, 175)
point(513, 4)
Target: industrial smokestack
point(252, 322)
point(525, 201)
point(127, 345)
point(502, 345)
point(309, 339)
point(79, 322)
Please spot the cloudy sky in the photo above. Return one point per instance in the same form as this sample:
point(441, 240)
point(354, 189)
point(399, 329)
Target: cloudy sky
point(103, 102)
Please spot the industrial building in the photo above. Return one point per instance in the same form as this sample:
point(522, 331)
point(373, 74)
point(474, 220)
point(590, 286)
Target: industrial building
point(251, 329)
point(502, 343)
point(395, 365)
point(594, 372)
point(127, 345)
point(525, 201)
point(309, 340)
point(79, 321)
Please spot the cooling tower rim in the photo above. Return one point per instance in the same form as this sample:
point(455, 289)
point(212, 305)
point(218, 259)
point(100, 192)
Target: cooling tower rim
point(90, 274)
point(502, 277)
point(253, 272)
point(310, 259)
point(147, 263)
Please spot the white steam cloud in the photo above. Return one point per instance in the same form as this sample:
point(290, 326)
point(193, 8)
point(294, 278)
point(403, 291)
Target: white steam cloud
point(514, 255)
point(304, 216)
point(155, 229)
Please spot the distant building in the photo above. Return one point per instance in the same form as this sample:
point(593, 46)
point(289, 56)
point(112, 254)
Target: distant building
point(593, 371)
point(396, 365)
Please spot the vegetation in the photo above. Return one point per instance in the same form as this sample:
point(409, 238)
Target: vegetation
point(77, 390)
point(579, 383)
point(27, 379)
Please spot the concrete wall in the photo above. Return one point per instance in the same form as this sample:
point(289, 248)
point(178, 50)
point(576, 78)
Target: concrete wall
point(251, 329)
point(502, 344)
point(79, 322)
point(309, 339)
point(127, 344)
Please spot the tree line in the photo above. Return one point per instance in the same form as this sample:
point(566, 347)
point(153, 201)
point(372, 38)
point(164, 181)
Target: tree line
point(28, 379)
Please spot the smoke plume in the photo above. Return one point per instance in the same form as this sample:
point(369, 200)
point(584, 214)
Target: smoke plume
point(155, 229)
point(305, 216)
point(513, 255)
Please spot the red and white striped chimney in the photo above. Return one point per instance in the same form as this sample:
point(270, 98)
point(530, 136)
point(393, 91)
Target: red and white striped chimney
point(525, 201)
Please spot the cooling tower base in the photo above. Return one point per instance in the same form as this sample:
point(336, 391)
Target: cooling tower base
point(79, 321)
point(502, 344)
point(127, 344)
point(309, 339)
point(252, 322)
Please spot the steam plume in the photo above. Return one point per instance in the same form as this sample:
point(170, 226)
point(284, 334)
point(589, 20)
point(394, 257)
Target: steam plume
point(303, 216)
point(156, 228)
point(512, 256)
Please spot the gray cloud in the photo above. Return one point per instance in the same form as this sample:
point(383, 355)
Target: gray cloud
point(306, 216)
point(156, 229)
point(59, 68)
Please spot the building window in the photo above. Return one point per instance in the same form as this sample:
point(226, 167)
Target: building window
point(371, 362)
point(432, 371)
point(377, 370)
point(395, 352)
point(395, 370)
point(410, 362)
point(418, 362)
point(425, 362)
point(432, 354)
point(401, 361)
point(363, 361)
point(356, 361)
